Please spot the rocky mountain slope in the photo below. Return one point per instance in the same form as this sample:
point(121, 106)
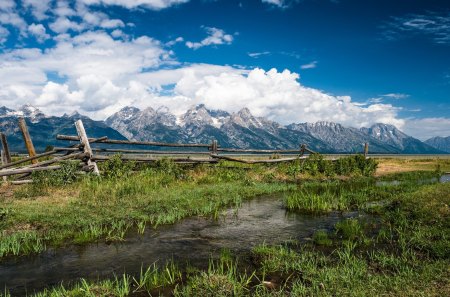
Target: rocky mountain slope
point(243, 130)
point(440, 143)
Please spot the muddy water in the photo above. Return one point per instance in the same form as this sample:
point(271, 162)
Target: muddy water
point(191, 240)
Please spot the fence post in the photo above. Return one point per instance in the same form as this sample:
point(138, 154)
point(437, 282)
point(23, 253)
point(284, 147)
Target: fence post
point(4, 162)
point(214, 147)
point(302, 149)
point(86, 146)
point(26, 137)
point(366, 149)
point(5, 147)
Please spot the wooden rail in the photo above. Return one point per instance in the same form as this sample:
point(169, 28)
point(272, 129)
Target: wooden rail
point(148, 143)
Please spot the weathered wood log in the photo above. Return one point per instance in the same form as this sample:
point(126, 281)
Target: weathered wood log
point(258, 161)
point(150, 159)
point(149, 143)
point(366, 149)
point(86, 146)
point(27, 170)
point(29, 159)
point(21, 182)
point(80, 155)
point(26, 137)
point(5, 147)
point(232, 150)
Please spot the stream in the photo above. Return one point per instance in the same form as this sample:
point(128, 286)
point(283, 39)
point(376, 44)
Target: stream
point(192, 240)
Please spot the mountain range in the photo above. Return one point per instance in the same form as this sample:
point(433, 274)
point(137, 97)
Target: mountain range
point(201, 125)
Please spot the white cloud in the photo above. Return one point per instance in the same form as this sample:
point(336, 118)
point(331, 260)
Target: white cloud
point(279, 96)
point(215, 37)
point(64, 24)
point(39, 8)
point(4, 33)
point(435, 25)
point(279, 3)
point(94, 57)
point(426, 128)
point(38, 31)
point(110, 24)
point(310, 65)
point(258, 54)
point(10, 16)
point(175, 41)
point(149, 4)
point(396, 96)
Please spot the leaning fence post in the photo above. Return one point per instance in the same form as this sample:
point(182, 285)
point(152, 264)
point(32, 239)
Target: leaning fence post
point(366, 149)
point(4, 162)
point(26, 137)
point(5, 147)
point(86, 146)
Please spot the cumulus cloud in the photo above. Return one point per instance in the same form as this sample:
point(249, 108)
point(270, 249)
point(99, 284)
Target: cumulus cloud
point(426, 128)
point(38, 31)
point(215, 37)
point(149, 4)
point(280, 97)
point(90, 64)
point(39, 8)
point(9, 15)
point(4, 33)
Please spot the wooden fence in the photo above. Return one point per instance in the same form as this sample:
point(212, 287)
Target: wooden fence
point(88, 156)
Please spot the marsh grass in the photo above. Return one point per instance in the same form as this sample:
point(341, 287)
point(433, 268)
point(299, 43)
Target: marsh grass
point(104, 208)
point(154, 277)
point(21, 242)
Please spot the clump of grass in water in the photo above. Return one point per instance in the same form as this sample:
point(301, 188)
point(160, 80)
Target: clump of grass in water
point(321, 237)
point(22, 242)
point(323, 197)
point(221, 279)
point(154, 277)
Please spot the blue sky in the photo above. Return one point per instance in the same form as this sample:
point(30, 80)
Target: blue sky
point(349, 61)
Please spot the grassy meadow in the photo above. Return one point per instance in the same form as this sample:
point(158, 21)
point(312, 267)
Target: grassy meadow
point(400, 248)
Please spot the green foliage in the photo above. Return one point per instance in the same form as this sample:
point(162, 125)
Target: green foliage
point(321, 237)
point(350, 229)
point(316, 164)
point(43, 180)
point(21, 242)
point(115, 167)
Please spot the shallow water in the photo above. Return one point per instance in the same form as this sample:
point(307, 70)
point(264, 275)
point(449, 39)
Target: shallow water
point(445, 178)
point(191, 240)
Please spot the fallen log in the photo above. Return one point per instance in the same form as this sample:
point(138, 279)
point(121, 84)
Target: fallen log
point(27, 170)
point(21, 182)
point(52, 152)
